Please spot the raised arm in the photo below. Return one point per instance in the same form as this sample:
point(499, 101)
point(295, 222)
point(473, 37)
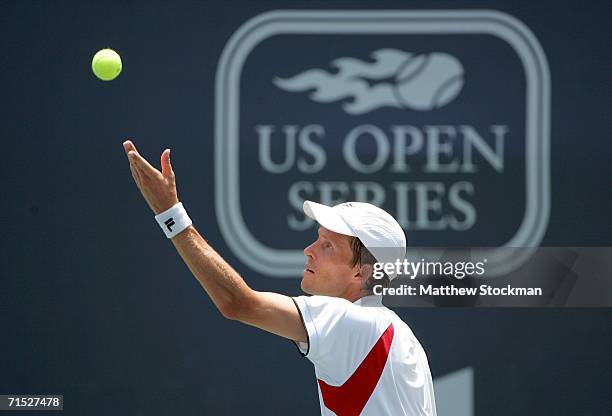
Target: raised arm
point(271, 312)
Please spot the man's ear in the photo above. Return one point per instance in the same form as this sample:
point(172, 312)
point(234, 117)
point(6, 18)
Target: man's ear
point(364, 272)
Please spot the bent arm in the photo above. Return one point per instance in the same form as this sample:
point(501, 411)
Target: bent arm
point(229, 292)
point(271, 312)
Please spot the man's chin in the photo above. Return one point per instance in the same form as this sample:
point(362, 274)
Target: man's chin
point(306, 286)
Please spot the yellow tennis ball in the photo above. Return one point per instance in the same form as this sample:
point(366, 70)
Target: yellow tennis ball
point(106, 64)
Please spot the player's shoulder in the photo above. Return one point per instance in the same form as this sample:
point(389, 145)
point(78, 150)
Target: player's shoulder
point(336, 308)
point(322, 301)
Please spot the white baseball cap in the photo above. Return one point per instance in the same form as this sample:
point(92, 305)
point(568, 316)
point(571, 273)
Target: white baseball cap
point(379, 232)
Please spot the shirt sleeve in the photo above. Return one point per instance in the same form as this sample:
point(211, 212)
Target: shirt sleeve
point(339, 333)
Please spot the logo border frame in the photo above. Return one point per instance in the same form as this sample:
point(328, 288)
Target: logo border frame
point(289, 263)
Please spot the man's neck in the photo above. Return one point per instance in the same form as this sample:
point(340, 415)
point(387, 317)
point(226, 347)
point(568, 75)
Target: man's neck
point(354, 297)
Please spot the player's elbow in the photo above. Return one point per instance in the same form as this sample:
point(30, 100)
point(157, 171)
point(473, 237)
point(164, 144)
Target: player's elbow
point(236, 309)
point(228, 310)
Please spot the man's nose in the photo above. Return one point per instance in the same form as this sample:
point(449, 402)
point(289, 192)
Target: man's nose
point(309, 251)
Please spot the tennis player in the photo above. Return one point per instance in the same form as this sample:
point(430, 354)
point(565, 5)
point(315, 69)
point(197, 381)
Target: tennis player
point(367, 360)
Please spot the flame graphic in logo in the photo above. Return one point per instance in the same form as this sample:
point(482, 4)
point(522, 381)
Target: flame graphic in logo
point(395, 79)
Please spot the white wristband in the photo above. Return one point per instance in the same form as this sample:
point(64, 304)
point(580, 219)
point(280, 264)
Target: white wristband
point(173, 220)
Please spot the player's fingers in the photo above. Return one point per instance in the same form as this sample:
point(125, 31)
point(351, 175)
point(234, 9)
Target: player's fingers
point(141, 164)
point(128, 145)
point(166, 164)
point(135, 174)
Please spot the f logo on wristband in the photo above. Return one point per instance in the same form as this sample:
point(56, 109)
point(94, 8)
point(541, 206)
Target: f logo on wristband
point(176, 217)
point(169, 223)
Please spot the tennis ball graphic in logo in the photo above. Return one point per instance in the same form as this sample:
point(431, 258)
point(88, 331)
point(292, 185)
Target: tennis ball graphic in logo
point(425, 82)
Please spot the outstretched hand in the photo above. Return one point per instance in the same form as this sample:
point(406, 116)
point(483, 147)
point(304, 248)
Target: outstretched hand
point(157, 188)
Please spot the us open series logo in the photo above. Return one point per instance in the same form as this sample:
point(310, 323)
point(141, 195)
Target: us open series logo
point(441, 117)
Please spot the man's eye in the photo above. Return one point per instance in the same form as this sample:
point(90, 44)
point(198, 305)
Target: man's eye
point(327, 245)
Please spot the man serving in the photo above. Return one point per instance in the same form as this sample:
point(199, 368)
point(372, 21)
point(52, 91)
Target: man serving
point(367, 360)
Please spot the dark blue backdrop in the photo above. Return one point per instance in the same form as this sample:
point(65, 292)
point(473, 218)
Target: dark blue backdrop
point(96, 305)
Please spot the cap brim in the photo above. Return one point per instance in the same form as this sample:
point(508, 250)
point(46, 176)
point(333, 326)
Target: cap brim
point(327, 217)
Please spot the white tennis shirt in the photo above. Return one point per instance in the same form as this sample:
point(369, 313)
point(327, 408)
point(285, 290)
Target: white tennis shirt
point(367, 360)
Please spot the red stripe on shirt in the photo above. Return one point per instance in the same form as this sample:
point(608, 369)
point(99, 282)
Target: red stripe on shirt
point(350, 398)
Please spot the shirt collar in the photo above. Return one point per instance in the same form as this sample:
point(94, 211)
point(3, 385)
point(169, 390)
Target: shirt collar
point(371, 300)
